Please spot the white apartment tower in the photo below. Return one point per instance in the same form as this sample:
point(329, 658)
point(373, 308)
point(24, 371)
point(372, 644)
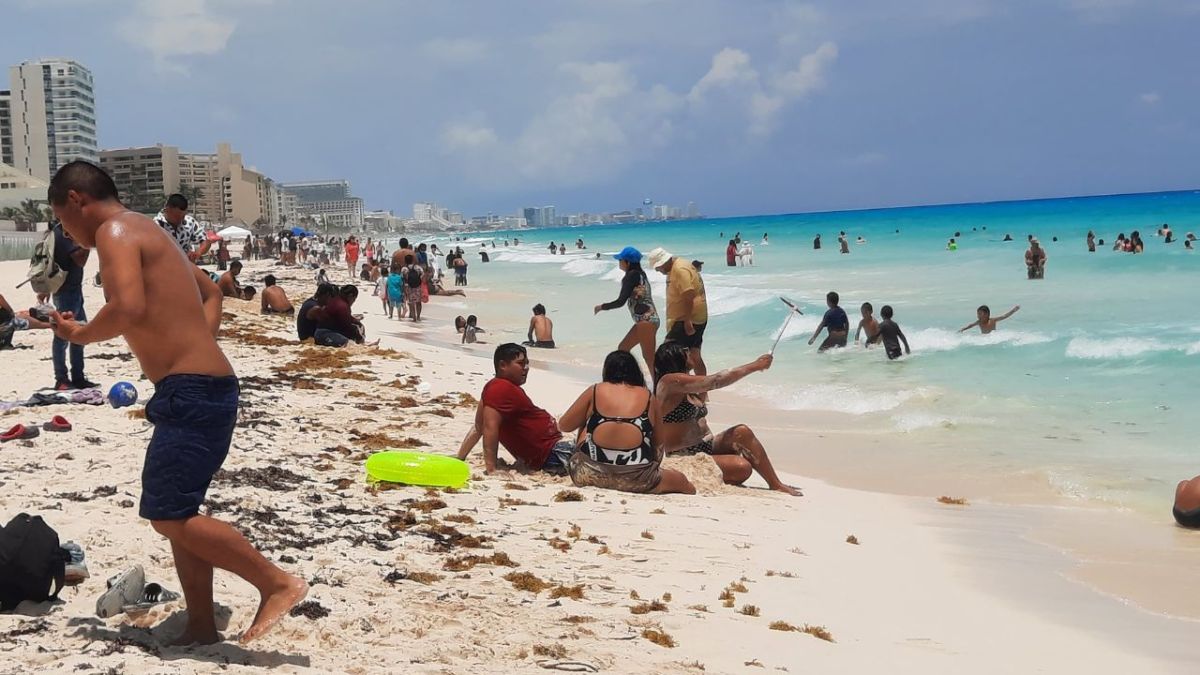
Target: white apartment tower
point(52, 113)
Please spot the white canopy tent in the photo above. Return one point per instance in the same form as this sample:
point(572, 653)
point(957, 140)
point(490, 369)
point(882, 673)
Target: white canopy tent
point(234, 232)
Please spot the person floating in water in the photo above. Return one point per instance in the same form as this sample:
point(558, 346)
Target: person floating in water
point(891, 335)
point(836, 322)
point(868, 324)
point(985, 321)
point(1008, 237)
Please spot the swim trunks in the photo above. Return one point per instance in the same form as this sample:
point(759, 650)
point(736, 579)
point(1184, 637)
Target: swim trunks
point(193, 418)
point(678, 334)
point(834, 341)
point(556, 461)
point(541, 344)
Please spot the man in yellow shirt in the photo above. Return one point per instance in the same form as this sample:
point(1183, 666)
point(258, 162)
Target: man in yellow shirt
point(687, 307)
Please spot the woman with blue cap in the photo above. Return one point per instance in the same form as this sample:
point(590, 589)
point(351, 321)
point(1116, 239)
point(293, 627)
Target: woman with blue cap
point(635, 294)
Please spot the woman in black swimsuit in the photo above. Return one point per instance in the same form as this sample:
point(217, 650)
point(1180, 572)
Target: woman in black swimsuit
point(680, 425)
point(615, 449)
point(614, 445)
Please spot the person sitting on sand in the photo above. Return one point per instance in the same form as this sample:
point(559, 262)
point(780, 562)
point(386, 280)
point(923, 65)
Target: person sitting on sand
point(507, 417)
point(231, 287)
point(837, 323)
point(1187, 503)
point(169, 313)
point(308, 319)
point(615, 448)
point(541, 329)
point(228, 284)
point(868, 324)
point(337, 326)
point(985, 321)
point(274, 299)
point(680, 425)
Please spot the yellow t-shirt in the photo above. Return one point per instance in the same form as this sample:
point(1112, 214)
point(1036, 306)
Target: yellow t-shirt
point(684, 277)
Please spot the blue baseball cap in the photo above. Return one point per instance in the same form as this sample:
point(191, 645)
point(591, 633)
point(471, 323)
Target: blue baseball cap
point(629, 254)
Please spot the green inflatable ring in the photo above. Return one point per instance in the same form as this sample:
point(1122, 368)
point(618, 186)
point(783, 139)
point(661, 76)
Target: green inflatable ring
point(418, 468)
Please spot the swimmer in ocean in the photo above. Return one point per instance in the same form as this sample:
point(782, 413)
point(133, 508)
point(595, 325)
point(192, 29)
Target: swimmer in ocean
point(868, 324)
point(985, 321)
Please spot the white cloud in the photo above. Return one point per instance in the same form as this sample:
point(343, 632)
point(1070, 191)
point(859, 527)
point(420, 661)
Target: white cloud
point(455, 51)
point(1150, 98)
point(467, 136)
point(171, 29)
point(729, 67)
point(603, 120)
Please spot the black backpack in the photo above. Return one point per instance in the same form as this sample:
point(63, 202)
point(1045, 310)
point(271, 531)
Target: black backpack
point(414, 276)
point(32, 564)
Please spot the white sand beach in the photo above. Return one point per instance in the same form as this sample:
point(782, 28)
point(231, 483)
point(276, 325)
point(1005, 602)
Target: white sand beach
point(523, 573)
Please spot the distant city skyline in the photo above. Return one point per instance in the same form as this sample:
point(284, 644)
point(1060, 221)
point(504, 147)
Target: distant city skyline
point(770, 107)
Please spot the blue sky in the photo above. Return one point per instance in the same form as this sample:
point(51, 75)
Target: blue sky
point(744, 106)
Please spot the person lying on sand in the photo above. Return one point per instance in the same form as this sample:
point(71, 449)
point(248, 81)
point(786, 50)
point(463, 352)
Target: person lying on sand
point(507, 417)
point(274, 299)
point(541, 329)
point(169, 312)
point(1187, 503)
point(985, 321)
point(680, 425)
point(615, 447)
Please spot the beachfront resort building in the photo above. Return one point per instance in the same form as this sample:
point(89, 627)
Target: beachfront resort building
point(329, 202)
point(47, 117)
point(16, 187)
point(220, 188)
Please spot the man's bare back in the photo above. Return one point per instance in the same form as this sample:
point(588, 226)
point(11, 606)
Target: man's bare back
point(543, 328)
point(156, 299)
point(274, 299)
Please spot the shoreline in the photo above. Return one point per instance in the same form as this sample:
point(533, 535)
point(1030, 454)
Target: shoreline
point(835, 452)
point(918, 593)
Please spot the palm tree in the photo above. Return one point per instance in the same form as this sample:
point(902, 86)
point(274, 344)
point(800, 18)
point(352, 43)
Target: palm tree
point(31, 214)
point(193, 193)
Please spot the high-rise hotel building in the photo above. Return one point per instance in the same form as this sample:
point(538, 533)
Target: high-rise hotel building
point(48, 116)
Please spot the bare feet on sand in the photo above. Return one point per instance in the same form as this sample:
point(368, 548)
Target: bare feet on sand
point(189, 637)
point(788, 489)
point(274, 607)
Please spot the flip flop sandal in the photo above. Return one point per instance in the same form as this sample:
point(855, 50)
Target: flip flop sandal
point(57, 423)
point(124, 589)
point(19, 432)
point(152, 595)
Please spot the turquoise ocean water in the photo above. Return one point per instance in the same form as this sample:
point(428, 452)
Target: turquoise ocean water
point(1090, 387)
